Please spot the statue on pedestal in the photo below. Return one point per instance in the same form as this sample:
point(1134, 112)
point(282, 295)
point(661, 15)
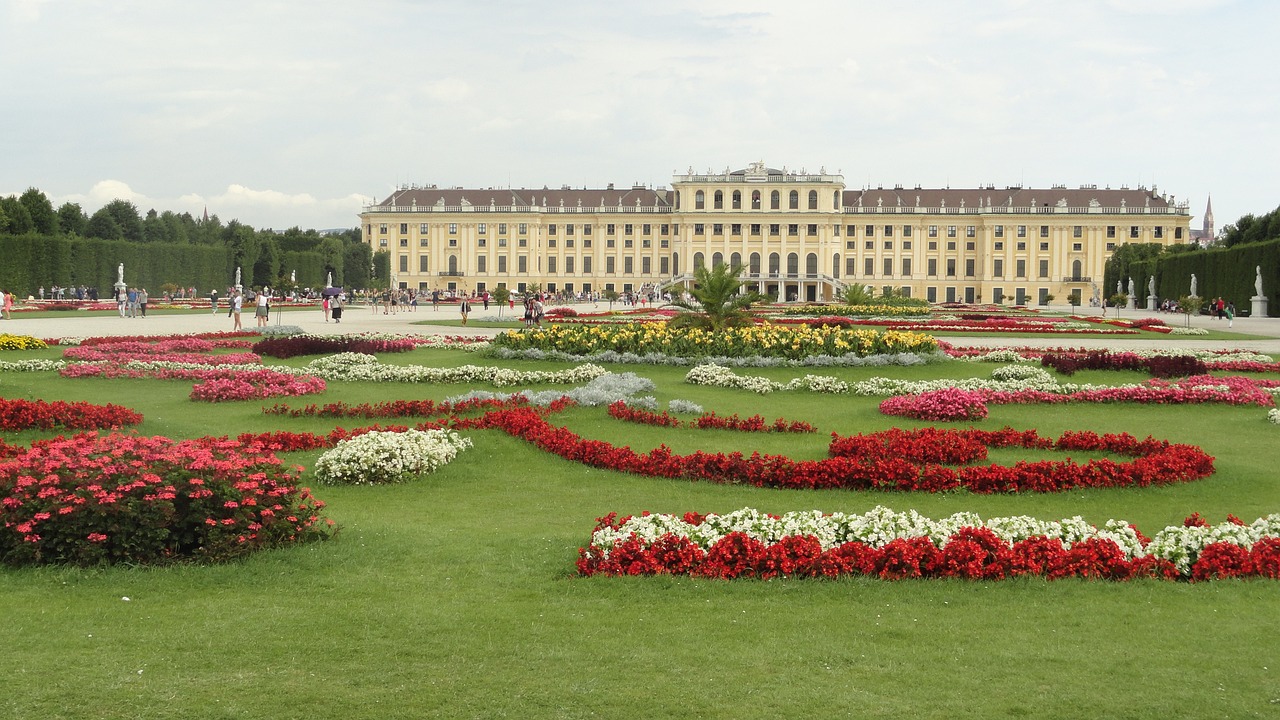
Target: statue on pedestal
point(1257, 283)
point(1133, 293)
point(1151, 286)
point(1193, 285)
point(120, 274)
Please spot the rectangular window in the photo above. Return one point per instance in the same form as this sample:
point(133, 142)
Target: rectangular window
point(404, 242)
point(1077, 247)
point(481, 228)
point(870, 245)
point(933, 231)
point(997, 268)
point(850, 264)
point(423, 228)
point(586, 230)
point(1022, 231)
point(933, 244)
point(664, 265)
point(646, 265)
point(609, 229)
point(851, 231)
point(888, 231)
point(568, 265)
point(1177, 233)
point(812, 230)
point(453, 242)
point(906, 231)
point(932, 267)
point(482, 264)
point(1077, 231)
point(551, 229)
point(453, 228)
point(551, 264)
point(628, 242)
point(404, 263)
point(1159, 231)
point(698, 229)
point(551, 242)
point(969, 268)
point(1022, 269)
point(869, 267)
point(1044, 231)
point(717, 228)
point(481, 242)
point(774, 229)
point(524, 228)
point(404, 228)
point(1111, 231)
point(793, 229)
point(755, 228)
point(568, 242)
point(664, 230)
point(906, 244)
point(1044, 246)
point(970, 231)
point(646, 229)
point(951, 231)
point(627, 229)
point(1133, 231)
point(628, 265)
point(951, 267)
point(422, 264)
point(382, 228)
point(969, 246)
point(997, 246)
point(502, 263)
point(502, 228)
point(888, 266)
point(568, 229)
point(502, 242)
point(870, 230)
point(586, 264)
point(1000, 231)
point(906, 267)
point(1111, 247)
point(1022, 246)
point(735, 229)
point(1044, 268)
point(609, 264)
point(522, 264)
point(951, 244)
point(850, 244)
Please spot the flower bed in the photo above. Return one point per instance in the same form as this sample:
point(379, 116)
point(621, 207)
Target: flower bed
point(892, 546)
point(790, 342)
point(359, 367)
point(93, 499)
point(846, 311)
point(298, 345)
point(951, 404)
point(1161, 366)
point(378, 458)
point(20, 342)
point(17, 415)
point(707, 421)
point(255, 385)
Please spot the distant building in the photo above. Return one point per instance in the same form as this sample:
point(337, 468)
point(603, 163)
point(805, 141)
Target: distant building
point(797, 235)
point(1207, 232)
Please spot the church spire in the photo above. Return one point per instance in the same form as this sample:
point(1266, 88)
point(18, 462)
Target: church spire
point(1209, 230)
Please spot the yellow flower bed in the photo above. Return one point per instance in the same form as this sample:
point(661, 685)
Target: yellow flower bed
point(20, 342)
point(785, 341)
point(861, 310)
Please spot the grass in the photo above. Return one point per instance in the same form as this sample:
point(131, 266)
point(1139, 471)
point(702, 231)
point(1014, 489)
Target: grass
point(454, 595)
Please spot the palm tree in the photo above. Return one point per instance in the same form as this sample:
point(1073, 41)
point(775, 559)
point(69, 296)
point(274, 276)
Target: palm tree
point(715, 302)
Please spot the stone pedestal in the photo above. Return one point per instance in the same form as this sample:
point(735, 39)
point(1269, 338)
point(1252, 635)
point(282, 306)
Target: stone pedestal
point(1133, 302)
point(1151, 302)
point(1259, 306)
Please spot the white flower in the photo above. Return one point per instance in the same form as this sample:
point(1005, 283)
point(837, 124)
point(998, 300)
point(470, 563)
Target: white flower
point(385, 457)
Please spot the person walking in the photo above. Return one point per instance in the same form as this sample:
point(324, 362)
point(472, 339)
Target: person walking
point(142, 301)
point(6, 305)
point(213, 300)
point(263, 310)
point(464, 307)
point(326, 307)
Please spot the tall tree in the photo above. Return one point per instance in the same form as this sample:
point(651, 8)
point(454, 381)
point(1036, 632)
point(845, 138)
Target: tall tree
point(103, 225)
point(357, 259)
point(17, 217)
point(126, 216)
point(43, 216)
point(71, 218)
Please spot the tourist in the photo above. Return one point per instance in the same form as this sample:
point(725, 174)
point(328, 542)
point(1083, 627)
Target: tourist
point(264, 307)
point(465, 308)
point(324, 306)
point(213, 300)
point(237, 300)
point(142, 301)
point(122, 299)
point(6, 304)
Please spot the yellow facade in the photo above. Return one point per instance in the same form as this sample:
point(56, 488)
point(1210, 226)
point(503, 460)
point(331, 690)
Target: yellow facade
point(798, 236)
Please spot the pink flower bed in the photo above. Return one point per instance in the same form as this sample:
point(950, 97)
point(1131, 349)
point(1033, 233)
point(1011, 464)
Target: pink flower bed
point(255, 385)
point(952, 404)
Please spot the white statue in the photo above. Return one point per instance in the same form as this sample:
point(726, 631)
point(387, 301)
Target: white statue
point(1257, 282)
point(329, 281)
point(120, 275)
point(1151, 286)
point(237, 276)
point(1119, 287)
point(293, 276)
point(1133, 293)
point(1193, 285)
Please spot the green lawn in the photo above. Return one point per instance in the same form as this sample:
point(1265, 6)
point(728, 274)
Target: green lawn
point(454, 596)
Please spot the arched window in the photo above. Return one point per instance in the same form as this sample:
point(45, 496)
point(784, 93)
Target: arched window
point(793, 264)
point(755, 201)
point(794, 202)
point(813, 199)
point(675, 263)
point(735, 260)
point(775, 200)
point(773, 263)
point(719, 200)
point(1075, 270)
point(737, 199)
point(835, 200)
point(697, 260)
point(699, 200)
point(755, 264)
point(717, 260)
point(453, 264)
point(811, 264)
point(835, 265)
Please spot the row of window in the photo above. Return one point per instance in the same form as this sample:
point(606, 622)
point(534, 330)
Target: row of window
point(931, 268)
point(522, 264)
point(775, 200)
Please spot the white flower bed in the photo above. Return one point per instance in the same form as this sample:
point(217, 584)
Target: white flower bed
point(1182, 545)
point(378, 458)
point(1188, 331)
point(1274, 416)
point(877, 527)
point(604, 390)
point(31, 365)
point(1011, 378)
point(367, 368)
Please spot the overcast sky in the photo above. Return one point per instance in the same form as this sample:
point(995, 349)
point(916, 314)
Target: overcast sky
point(292, 112)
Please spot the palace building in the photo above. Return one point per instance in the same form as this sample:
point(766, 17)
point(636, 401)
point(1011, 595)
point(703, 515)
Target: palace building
point(797, 236)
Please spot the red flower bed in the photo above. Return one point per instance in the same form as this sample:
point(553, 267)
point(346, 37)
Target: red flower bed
point(1161, 366)
point(393, 408)
point(17, 415)
point(214, 336)
point(93, 499)
point(899, 460)
point(950, 404)
point(708, 421)
point(255, 385)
